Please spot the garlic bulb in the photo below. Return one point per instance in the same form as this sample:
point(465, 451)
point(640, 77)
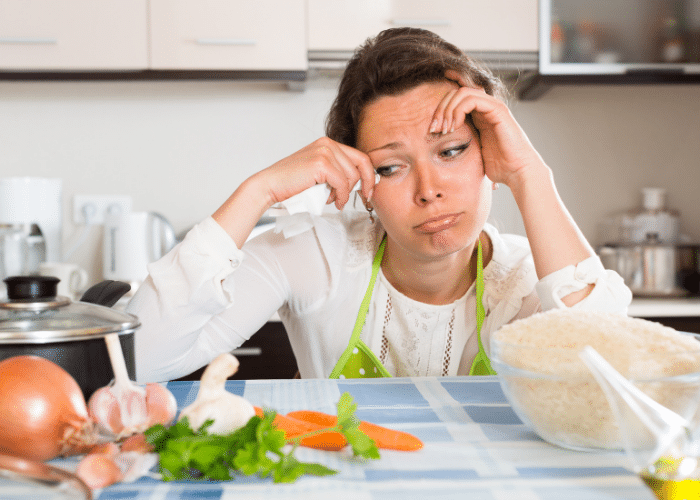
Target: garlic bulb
point(228, 411)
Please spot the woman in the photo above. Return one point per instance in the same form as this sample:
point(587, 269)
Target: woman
point(416, 287)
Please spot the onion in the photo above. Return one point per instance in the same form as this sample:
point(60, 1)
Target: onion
point(42, 410)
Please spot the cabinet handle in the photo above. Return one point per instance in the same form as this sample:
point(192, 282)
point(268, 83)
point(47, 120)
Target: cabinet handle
point(28, 40)
point(225, 41)
point(420, 22)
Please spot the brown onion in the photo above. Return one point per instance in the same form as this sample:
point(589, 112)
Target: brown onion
point(42, 410)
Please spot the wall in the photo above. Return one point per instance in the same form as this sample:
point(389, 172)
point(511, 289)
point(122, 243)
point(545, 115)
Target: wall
point(181, 148)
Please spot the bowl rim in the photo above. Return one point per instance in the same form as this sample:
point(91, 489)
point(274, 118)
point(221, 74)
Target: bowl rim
point(585, 376)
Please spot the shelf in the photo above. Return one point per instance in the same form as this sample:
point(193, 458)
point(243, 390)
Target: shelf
point(533, 85)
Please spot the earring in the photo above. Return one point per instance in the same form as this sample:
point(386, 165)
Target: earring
point(495, 186)
point(369, 209)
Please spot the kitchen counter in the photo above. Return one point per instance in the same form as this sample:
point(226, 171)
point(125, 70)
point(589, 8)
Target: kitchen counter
point(665, 307)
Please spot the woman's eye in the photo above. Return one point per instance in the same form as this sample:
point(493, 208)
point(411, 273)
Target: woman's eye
point(452, 152)
point(387, 170)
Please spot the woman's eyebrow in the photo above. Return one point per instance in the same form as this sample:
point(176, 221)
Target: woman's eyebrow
point(391, 145)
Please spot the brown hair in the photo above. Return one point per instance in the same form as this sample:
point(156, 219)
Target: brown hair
point(397, 60)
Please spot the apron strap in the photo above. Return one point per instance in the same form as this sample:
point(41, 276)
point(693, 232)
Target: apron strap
point(361, 315)
point(482, 363)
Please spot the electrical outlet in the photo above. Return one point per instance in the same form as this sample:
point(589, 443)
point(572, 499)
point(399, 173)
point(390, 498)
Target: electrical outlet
point(97, 206)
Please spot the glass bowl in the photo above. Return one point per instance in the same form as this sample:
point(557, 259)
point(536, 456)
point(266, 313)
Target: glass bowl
point(554, 393)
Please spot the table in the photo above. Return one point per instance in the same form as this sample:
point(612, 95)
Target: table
point(475, 447)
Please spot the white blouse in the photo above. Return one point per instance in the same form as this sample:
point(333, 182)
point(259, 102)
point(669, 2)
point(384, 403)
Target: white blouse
point(206, 297)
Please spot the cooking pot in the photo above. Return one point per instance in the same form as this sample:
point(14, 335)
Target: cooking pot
point(35, 321)
point(654, 269)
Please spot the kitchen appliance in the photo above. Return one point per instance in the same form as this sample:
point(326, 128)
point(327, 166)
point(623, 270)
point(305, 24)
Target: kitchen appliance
point(653, 268)
point(35, 200)
point(22, 249)
point(644, 246)
point(131, 241)
point(35, 321)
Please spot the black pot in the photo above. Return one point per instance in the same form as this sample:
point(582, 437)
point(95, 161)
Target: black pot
point(34, 321)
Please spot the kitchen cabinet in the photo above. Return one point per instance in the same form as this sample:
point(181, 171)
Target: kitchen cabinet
point(87, 35)
point(228, 34)
point(266, 355)
point(474, 26)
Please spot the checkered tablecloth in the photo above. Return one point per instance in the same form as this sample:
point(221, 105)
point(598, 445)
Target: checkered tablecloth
point(475, 447)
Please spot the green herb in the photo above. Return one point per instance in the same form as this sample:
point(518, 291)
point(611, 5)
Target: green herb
point(254, 449)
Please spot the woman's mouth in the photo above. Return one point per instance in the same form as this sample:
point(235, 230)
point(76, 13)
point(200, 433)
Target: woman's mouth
point(436, 224)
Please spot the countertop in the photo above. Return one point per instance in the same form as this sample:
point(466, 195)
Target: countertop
point(649, 307)
point(665, 307)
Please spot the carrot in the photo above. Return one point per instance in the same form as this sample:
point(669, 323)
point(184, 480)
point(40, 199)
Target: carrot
point(383, 437)
point(293, 428)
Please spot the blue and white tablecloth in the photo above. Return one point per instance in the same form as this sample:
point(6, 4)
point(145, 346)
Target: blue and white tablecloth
point(475, 447)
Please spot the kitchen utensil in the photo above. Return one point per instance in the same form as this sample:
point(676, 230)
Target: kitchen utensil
point(669, 466)
point(73, 278)
point(35, 321)
point(59, 481)
point(22, 249)
point(654, 268)
point(35, 200)
point(131, 241)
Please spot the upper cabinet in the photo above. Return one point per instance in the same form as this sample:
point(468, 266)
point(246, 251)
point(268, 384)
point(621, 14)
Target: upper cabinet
point(228, 34)
point(474, 26)
point(79, 35)
point(203, 38)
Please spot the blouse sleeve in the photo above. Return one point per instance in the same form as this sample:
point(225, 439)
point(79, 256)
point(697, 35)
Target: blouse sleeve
point(199, 300)
point(610, 294)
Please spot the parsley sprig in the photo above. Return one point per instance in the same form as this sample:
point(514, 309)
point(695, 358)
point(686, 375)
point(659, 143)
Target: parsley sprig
point(254, 449)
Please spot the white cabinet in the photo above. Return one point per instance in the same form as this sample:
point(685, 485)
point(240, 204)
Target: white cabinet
point(478, 26)
point(228, 35)
point(75, 35)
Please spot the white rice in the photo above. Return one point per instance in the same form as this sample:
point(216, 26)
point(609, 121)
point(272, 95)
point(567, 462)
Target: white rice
point(553, 391)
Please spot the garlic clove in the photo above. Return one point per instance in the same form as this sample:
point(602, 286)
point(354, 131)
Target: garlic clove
point(103, 408)
point(229, 411)
point(138, 443)
point(98, 470)
point(160, 405)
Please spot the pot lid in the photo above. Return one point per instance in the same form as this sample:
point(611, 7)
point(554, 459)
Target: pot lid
point(34, 313)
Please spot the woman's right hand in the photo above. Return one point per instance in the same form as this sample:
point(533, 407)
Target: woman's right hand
point(322, 161)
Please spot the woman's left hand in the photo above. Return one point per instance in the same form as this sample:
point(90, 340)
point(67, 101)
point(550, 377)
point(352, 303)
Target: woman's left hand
point(505, 149)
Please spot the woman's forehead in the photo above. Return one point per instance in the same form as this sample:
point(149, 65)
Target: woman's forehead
point(411, 110)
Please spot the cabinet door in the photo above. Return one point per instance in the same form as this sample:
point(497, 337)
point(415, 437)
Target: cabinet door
point(88, 35)
point(228, 34)
point(493, 25)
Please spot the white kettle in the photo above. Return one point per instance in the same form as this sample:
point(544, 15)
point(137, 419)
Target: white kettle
point(133, 240)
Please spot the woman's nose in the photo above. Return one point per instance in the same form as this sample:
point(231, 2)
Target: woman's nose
point(428, 185)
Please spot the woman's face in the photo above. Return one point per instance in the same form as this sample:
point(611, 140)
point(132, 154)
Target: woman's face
point(433, 197)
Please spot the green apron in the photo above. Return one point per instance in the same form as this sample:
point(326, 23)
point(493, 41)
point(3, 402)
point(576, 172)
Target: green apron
point(358, 360)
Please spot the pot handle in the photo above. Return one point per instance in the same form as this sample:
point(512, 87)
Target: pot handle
point(105, 293)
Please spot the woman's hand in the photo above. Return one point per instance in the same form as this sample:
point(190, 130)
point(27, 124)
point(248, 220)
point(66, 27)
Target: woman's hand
point(505, 149)
point(322, 161)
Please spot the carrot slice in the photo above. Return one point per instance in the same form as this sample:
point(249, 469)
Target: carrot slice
point(383, 437)
point(293, 428)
